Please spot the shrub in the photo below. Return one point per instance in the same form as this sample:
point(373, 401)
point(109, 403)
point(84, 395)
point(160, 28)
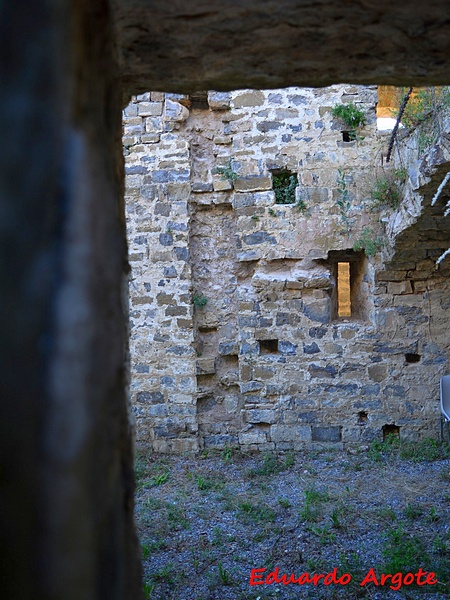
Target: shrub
point(284, 185)
point(368, 242)
point(199, 301)
point(351, 117)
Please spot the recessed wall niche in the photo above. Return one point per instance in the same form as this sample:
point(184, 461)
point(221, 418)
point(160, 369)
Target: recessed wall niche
point(350, 293)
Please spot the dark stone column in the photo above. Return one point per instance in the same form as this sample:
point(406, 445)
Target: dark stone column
point(66, 458)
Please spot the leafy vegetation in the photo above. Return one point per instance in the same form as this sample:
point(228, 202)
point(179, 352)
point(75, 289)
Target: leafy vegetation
point(351, 117)
point(424, 451)
point(199, 300)
point(300, 205)
point(425, 112)
point(199, 538)
point(369, 242)
point(271, 465)
point(343, 200)
point(403, 552)
point(227, 172)
point(386, 188)
point(284, 185)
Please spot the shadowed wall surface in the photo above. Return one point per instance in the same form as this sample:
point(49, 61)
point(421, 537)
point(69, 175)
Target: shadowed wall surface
point(66, 455)
point(180, 46)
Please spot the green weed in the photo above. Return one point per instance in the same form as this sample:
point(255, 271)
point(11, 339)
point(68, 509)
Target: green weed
point(258, 513)
point(284, 185)
point(227, 172)
point(412, 511)
point(325, 535)
point(159, 479)
point(369, 242)
point(224, 575)
point(314, 498)
point(165, 574)
point(403, 553)
point(350, 116)
point(199, 301)
point(284, 502)
point(149, 588)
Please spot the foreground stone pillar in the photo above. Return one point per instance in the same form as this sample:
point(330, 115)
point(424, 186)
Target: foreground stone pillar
point(67, 489)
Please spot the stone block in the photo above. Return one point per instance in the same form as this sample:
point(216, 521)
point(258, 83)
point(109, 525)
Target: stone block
point(174, 111)
point(327, 371)
point(252, 437)
point(223, 140)
point(205, 365)
point(201, 187)
point(253, 183)
point(149, 397)
point(251, 98)
point(290, 433)
point(318, 311)
point(311, 348)
point(150, 109)
point(219, 100)
point(287, 348)
point(251, 386)
point(228, 348)
point(326, 434)
point(158, 410)
point(402, 287)
point(259, 416)
point(221, 185)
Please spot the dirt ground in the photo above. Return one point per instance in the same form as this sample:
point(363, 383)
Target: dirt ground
point(210, 524)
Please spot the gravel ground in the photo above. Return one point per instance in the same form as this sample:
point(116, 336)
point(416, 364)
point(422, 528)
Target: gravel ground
point(206, 522)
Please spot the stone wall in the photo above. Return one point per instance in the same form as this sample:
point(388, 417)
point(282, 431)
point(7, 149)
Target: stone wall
point(235, 333)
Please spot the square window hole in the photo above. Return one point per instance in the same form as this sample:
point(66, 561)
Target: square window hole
point(392, 431)
point(268, 346)
point(410, 357)
point(284, 185)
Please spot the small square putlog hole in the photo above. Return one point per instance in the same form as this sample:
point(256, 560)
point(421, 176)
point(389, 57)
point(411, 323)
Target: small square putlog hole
point(284, 186)
point(268, 346)
point(362, 417)
point(392, 431)
point(410, 357)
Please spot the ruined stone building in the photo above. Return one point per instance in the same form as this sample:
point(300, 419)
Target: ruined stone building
point(257, 318)
point(68, 69)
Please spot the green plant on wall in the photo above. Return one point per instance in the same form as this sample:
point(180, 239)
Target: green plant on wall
point(300, 205)
point(199, 301)
point(227, 172)
point(284, 185)
point(369, 242)
point(425, 112)
point(386, 188)
point(351, 117)
point(343, 200)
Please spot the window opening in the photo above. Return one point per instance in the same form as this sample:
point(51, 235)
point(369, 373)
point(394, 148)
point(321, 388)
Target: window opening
point(350, 294)
point(343, 289)
point(268, 346)
point(199, 101)
point(410, 357)
point(346, 136)
point(391, 431)
point(362, 417)
point(284, 185)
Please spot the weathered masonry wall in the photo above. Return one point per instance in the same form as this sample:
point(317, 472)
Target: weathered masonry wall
point(235, 333)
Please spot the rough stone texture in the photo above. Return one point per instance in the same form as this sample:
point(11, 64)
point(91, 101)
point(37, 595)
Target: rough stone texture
point(211, 45)
point(66, 508)
point(275, 365)
point(60, 193)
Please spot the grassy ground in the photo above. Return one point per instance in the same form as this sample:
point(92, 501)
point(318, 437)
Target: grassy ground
point(206, 522)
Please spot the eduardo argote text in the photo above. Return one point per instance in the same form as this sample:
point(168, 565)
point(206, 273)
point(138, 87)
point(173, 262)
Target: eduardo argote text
point(394, 581)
